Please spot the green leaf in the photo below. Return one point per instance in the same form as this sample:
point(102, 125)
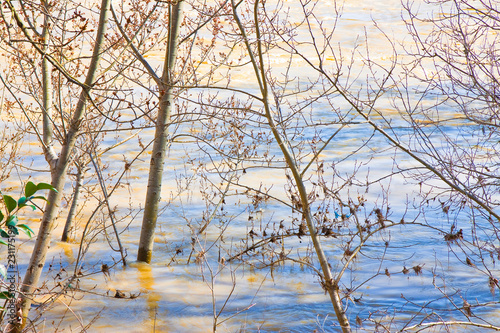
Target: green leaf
point(4, 233)
point(3, 271)
point(39, 197)
point(10, 202)
point(14, 230)
point(27, 230)
point(12, 221)
point(30, 189)
point(45, 186)
point(3, 242)
point(22, 201)
point(1, 216)
point(25, 205)
point(5, 295)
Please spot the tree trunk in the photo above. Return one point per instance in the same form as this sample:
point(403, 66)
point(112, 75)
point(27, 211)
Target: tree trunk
point(330, 284)
point(153, 194)
point(48, 147)
point(74, 204)
point(58, 172)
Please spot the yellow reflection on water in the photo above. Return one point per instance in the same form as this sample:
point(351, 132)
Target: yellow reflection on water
point(147, 286)
point(67, 250)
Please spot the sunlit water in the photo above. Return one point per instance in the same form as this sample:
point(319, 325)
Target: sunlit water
point(171, 295)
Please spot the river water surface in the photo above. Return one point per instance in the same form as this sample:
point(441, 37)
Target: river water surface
point(171, 295)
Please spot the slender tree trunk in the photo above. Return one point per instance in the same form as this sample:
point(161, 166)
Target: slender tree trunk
point(157, 162)
point(330, 284)
point(37, 260)
point(74, 204)
point(48, 147)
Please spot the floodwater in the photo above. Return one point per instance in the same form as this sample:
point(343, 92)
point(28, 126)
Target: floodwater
point(172, 295)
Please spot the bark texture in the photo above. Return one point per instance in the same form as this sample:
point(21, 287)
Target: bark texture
point(157, 161)
point(58, 166)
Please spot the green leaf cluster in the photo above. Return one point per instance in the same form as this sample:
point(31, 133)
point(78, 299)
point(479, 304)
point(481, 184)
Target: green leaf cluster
point(9, 222)
point(8, 213)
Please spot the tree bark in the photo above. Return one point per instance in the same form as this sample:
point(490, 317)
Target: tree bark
point(330, 283)
point(74, 204)
point(58, 170)
point(157, 161)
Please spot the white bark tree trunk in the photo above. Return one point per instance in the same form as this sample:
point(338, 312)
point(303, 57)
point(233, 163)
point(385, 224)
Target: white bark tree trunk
point(157, 162)
point(60, 165)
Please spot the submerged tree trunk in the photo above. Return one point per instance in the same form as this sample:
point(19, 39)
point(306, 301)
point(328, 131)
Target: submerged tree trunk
point(58, 166)
point(153, 194)
point(74, 204)
point(330, 284)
